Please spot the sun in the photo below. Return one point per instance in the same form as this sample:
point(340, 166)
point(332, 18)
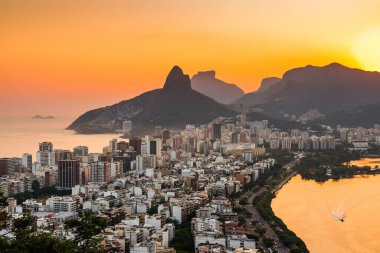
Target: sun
point(366, 49)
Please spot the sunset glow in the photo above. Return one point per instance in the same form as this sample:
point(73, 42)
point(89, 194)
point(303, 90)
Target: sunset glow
point(116, 50)
point(366, 48)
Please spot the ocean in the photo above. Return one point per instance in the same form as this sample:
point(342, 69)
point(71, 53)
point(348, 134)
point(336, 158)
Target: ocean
point(22, 135)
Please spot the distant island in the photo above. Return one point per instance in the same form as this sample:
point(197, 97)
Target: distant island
point(42, 117)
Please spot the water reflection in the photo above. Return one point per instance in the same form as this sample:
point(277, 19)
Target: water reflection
point(314, 212)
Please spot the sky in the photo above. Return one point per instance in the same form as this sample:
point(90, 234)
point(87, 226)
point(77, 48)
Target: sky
point(65, 57)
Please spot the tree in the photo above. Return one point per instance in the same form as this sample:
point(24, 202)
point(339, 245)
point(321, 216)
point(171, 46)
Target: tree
point(36, 186)
point(260, 230)
point(42, 243)
point(3, 200)
point(268, 242)
point(4, 218)
point(162, 200)
point(255, 222)
point(86, 229)
point(243, 201)
point(27, 240)
point(153, 210)
point(22, 226)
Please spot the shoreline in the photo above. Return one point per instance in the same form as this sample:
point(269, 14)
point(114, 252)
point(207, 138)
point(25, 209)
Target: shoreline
point(284, 182)
point(357, 171)
point(263, 204)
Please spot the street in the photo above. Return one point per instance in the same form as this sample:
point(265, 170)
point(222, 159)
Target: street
point(269, 233)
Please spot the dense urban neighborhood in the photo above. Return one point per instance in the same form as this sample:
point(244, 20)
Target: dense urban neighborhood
point(202, 189)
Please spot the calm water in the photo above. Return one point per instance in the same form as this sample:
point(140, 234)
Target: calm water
point(372, 162)
point(307, 208)
point(18, 136)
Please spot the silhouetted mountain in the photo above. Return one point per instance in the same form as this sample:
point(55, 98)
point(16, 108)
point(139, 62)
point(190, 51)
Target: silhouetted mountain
point(259, 95)
point(266, 83)
point(173, 106)
point(37, 116)
point(365, 116)
point(206, 83)
point(330, 89)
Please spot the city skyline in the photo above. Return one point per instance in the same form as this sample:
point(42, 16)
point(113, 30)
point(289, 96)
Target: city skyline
point(166, 126)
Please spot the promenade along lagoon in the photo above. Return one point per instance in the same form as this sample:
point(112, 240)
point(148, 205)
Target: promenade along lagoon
point(310, 209)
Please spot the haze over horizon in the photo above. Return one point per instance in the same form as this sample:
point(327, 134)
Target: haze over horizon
point(64, 58)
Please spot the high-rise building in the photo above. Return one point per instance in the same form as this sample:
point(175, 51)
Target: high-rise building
point(274, 144)
point(295, 133)
point(234, 137)
point(27, 160)
point(192, 143)
point(46, 146)
point(100, 172)
point(4, 166)
point(154, 147)
point(68, 174)
point(45, 158)
point(247, 155)
point(146, 161)
point(122, 146)
point(157, 131)
point(165, 135)
point(44, 154)
point(343, 135)
point(60, 154)
point(80, 151)
point(113, 145)
point(135, 142)
point(62, 204)
point(286, 144)
point(177, 141)
point(243, 137)
point(217, 131)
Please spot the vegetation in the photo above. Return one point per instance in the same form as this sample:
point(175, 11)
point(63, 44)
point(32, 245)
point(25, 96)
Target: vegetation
point(22, 235)
point(269, 180)
point(40, 193)
point(268, 242)
point(260, 230)
point(243, 201)
point(183, 241)
point(316, 166)
point(86, 229)
point(289, 238)
point(26, 240)
point(153, 210)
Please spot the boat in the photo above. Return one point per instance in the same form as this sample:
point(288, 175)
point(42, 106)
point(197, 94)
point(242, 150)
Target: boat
point(339, 216)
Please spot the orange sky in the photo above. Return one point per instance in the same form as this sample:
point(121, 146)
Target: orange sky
point(65, 57)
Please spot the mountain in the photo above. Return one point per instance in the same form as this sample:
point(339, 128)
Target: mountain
point(364, 116)
point(206, 83)
point(266, 83)
point(37, 116)
point(331, 89)
point(173, 106)
point(260, 94)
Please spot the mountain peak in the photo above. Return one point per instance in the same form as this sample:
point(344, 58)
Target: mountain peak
point(206, 83)
point(268, 82)
point(335, 65)
point(176, 80)
point(206, 74)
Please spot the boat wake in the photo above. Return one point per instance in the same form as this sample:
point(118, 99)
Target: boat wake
point(338, 213)
point(338, 216)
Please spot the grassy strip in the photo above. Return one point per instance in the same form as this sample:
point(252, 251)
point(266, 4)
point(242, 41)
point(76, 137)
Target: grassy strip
point(289, 238)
